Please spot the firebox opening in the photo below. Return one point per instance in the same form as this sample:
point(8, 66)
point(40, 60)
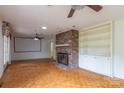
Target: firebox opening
point(62, 58)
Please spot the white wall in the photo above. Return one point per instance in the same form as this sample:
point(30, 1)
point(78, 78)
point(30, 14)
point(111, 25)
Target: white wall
point(45, 52)
point(119, 49)
point(1, 52)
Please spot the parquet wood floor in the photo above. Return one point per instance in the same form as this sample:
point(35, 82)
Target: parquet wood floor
point(45, 74)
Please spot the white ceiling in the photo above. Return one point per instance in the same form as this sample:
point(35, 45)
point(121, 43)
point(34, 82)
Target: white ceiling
point(28, 19)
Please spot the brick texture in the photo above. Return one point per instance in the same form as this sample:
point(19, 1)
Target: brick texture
point(69, 37)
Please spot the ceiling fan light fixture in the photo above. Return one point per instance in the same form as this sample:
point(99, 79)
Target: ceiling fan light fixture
point(35, 38)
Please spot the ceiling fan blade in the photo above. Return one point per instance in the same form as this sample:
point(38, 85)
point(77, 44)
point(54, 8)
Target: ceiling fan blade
point(71, 12)
point(96, 8)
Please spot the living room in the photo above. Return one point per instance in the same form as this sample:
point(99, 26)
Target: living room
point(68, 45)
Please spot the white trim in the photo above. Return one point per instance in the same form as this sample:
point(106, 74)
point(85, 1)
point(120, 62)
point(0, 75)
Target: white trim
point(111, 31)
point(59, 45)
point(113, 49)
point(94, 26)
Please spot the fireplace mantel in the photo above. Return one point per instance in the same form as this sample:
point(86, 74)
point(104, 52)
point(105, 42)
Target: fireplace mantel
point(62, 45)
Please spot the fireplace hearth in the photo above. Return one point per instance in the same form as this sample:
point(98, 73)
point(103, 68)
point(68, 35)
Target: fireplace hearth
point(62, 58)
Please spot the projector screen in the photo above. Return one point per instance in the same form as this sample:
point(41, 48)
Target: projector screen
point(22, 44)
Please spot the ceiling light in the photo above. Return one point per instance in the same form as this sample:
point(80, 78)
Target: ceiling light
point(44, 27)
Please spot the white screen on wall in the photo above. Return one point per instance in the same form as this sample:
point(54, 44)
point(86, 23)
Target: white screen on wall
point(27, 45)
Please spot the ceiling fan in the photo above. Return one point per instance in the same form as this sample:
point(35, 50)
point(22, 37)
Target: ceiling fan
point(36, 37)
point(96, 8)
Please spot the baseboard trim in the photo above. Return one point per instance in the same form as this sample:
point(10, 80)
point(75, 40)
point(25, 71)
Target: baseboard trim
point(120, 79)
point(95, 72)
point(32, 59)
point(115, 78)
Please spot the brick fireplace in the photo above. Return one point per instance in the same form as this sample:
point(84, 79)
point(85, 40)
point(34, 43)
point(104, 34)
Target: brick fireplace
point(67, 43)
